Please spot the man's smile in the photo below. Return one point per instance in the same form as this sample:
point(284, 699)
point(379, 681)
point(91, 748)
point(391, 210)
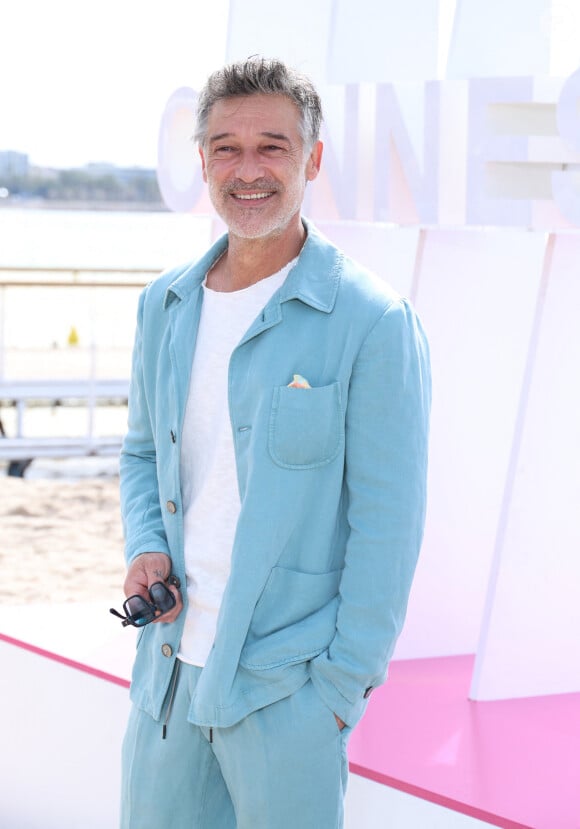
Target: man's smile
point(251, 196)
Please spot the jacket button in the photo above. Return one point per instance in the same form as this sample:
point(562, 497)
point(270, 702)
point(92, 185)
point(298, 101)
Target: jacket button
point(368, 692)
point(166, 650)
point(171, 507)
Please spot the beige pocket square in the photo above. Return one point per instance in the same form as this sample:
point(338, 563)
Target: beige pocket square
point(299, 382)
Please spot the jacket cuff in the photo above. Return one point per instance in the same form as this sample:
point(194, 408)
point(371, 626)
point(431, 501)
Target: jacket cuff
point(349, 711)
point(152, 544)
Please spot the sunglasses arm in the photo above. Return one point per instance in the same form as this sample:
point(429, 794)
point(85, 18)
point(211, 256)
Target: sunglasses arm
point(116, 613)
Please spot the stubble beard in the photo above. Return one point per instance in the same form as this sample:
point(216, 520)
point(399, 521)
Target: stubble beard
point(255, 221)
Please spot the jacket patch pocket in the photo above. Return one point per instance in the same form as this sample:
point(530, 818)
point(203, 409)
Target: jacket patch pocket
point(306, 426)
point(294, 619)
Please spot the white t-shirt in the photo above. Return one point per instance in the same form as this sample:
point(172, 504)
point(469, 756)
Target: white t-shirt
point(209, 485)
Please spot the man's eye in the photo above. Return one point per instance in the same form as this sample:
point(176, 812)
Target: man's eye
point(224, 150)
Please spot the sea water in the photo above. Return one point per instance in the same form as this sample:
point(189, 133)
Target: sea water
point(90, 239)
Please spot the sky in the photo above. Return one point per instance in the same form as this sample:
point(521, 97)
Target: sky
point(84, 81)
point(87, 82)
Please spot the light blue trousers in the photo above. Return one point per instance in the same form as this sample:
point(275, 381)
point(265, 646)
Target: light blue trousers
point(282, 767)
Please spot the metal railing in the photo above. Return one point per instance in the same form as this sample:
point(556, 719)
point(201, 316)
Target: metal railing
point(16, 276)
point(22, 278)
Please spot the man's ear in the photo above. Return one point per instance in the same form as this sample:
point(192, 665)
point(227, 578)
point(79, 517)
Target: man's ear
point(314, 161)
point(202, 156)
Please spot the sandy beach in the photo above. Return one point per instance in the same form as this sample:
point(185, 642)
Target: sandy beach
point(61, 540)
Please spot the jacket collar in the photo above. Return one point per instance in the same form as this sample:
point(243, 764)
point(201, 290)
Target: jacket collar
point(314, 279)
point(191, 278)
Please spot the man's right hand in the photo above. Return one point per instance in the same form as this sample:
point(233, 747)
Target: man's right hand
point(144, 571)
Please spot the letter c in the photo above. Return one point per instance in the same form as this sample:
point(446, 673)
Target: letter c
point(178, 164)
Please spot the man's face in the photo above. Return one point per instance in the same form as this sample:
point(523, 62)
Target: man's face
point(255, 164)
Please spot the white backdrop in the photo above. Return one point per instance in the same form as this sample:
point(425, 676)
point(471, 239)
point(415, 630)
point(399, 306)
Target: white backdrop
point(452, 168)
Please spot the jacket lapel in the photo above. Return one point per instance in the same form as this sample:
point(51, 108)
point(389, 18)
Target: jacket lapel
point(314, 280)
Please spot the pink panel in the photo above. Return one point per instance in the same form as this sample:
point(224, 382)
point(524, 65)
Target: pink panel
point(513, 763)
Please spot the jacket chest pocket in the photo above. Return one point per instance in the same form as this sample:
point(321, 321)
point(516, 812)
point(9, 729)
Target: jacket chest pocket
point(306, 426)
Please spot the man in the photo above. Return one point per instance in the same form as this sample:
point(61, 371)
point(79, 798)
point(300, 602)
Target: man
point(275, 462)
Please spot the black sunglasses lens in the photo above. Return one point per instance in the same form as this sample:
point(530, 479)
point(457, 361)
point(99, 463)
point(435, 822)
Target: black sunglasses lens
point(139, 612)
point(162, 597)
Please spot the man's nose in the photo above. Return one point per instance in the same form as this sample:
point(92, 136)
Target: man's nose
point(249, 167)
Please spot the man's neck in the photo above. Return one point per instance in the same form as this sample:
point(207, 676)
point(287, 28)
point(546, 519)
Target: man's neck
point(247, 261)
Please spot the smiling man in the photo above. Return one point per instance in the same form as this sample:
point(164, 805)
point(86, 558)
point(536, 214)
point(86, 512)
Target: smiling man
point(256, 164)
point(275, 468)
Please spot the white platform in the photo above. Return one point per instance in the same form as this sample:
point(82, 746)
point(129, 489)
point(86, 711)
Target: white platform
point(63, 719)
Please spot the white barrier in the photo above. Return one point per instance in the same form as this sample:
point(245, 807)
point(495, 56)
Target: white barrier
point(61, 735)
point(62, 728)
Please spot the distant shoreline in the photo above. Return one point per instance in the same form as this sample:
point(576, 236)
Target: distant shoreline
point(112, 206)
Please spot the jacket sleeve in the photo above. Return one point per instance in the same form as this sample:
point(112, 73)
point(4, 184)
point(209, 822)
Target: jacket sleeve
point(387, 420)
point(140, 507)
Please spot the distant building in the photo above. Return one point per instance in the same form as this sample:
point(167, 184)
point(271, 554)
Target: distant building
point(13, 163)
point(96, 182)
point(99, 168)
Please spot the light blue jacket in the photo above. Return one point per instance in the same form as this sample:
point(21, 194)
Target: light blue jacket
point(331, 479)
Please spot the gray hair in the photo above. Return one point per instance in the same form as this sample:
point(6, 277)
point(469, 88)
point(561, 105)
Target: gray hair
point(267, 76)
